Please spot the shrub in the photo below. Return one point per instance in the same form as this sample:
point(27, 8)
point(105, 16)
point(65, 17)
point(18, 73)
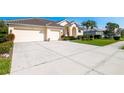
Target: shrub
point(80, 37)
point(91, 37)
point(116, 38)
point(97, 36)
point(3, 39)
point(2, 35)
point(62, 36)
point(10, 37)
point(122, 33)
point(5, 47)
point(69, 38)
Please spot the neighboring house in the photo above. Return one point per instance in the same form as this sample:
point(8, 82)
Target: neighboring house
point(70, 28)
point(37, 29)
point(94, 32)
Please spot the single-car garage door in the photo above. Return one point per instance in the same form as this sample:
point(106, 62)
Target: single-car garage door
point(28, 35)
point(54, 35)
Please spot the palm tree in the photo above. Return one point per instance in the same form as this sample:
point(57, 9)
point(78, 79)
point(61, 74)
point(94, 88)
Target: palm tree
point(112, 29)
point(111, 26)
point(89, 24)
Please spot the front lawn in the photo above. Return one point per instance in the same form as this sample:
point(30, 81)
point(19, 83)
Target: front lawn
point(97, 42)
point(5, 57)
point(5, 64)
point(122, 47)
point(122, 39)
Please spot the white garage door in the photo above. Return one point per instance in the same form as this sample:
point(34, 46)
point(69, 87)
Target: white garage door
point(54, 35)
point(28, 35)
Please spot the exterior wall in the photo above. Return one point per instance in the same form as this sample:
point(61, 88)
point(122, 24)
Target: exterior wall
point(46, 34)
point(17, 27)
point(63, 23)
point(65, 31)
point(80, 33)
point(60, 31)
point(10, 29)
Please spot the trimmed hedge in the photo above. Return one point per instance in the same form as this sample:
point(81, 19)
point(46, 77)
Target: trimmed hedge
point(117, 38)
point(3, 39)
point(68, 38)
point(122, 47)
point(80, 37)
point(5, 47)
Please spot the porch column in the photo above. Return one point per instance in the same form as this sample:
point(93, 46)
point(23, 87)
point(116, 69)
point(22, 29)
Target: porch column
point(10, 30)
point(46, 34)
point(70, 31)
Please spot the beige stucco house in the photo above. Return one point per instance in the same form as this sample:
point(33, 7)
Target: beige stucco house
point(37, 29)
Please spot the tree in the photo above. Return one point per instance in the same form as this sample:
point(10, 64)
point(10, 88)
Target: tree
point(122, 33)
point(3, 29)
point(111, 29)
point(89, 24)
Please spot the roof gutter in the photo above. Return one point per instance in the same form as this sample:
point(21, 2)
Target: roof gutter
point(33, 25)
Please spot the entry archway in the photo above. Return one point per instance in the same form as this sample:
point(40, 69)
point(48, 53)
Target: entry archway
point(74, 31)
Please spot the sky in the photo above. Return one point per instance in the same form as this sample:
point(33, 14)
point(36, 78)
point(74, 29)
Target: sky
point(101, 21)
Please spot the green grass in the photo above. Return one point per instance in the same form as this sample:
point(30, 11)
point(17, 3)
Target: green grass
point(122, 39)
point(5, 64)
point(122, 47)
point(97, 42)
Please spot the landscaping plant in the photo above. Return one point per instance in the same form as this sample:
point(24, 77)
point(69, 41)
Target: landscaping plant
point(6, 47)
point(122, 47)
point(10, 37)
point(3, 31)
point(69, 38)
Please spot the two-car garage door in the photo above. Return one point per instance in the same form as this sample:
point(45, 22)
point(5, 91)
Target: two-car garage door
point(33, 35)
point(28, 35)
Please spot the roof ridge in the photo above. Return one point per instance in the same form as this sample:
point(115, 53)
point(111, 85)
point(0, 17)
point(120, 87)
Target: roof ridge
point(62, 21)
point(32, 18)
point(36, 21)
point(20, 19)
point(45, 19)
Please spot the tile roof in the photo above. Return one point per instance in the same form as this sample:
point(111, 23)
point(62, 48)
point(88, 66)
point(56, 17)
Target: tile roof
point(34, 21)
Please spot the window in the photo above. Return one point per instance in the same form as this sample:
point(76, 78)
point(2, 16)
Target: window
point(11, 31)
point(79, 31)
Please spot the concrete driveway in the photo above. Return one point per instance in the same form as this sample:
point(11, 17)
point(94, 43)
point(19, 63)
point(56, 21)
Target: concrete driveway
point(64, 57)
